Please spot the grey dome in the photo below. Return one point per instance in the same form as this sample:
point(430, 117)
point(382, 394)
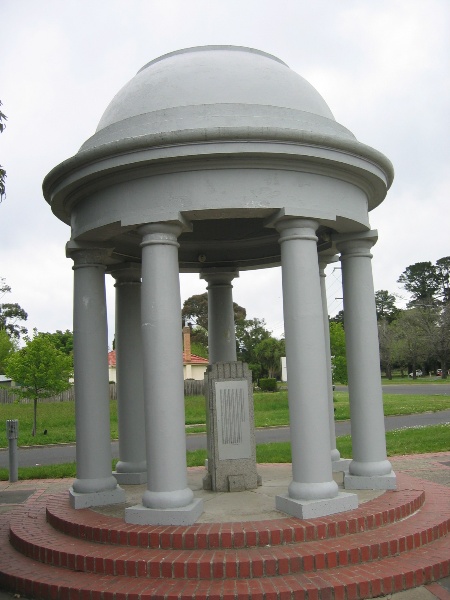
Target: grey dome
point(224, 140)
point(214, 87)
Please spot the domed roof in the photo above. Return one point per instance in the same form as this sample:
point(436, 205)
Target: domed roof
point(210, 87)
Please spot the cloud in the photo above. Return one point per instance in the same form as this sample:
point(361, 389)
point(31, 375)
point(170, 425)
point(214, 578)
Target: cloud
point(381, 67)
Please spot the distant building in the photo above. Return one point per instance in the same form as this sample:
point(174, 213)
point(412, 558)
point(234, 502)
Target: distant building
point(194, 366)
point(6, 381)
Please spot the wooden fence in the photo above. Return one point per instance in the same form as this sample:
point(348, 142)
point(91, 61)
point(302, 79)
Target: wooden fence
point(7, 396)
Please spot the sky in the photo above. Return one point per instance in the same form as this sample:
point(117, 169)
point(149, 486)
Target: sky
point(382, 66)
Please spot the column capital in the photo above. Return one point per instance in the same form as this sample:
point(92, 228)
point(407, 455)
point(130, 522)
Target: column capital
point(296, 228)
point(219, 276)
point(126, 272)
point(87, 254)
point(356, 244)
point(160, 233)
point(325, 260)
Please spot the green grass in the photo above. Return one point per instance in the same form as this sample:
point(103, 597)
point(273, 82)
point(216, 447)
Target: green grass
point(426, 379)
point(415, 440)
point(271, 410)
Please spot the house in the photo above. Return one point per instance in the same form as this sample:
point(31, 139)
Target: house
point(112, 366)
point(194, 366)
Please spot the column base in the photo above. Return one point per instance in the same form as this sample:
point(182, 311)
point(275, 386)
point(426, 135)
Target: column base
point(130, 478)
point(341, 465)
point(183, 515)
point(78, 500)
point(310, 509)
point(376, 482)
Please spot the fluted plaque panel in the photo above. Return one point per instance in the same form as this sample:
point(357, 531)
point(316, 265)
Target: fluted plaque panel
point(233, 421)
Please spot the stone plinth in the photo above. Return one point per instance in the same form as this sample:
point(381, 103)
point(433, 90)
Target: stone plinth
point(230, 428)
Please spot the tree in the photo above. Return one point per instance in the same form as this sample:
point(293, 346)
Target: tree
point(11, 314)
point(39, 369)
point(338, 318)
point(6, 348)
point(412, 346)
point(421, 281)
point(338, 355)
point(62, 340)
point(386, 338)
point(3, 118)
point(10, 317)
point(268, 353)
point(443, 275)
point(385, 306)
point(249, 333)
point(195, 310)
point(434, 323)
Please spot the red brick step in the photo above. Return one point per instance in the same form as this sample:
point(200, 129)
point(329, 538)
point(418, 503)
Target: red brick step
point(390, 555)
point(89, 525)
point(33, 537)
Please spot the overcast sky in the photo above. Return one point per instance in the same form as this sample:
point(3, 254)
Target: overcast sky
point(383, 67)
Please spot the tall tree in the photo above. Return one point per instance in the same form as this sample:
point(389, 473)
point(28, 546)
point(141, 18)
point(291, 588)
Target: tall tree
point(39, 369)
point(195, 310)
point(11, 315)
point(443, 275)
point(385, 306)
point(421, 281)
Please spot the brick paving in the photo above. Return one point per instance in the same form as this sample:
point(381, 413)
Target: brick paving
point(397, 541)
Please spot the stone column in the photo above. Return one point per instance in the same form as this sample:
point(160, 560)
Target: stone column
point(313, 491)
point(94, 485)
point(221, 326)
point(369, 468)
point(132, 467)
point(325, 260)
point(168, 500)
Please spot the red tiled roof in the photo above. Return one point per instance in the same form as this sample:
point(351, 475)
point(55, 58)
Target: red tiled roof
point(195, 360)
point(112, 358)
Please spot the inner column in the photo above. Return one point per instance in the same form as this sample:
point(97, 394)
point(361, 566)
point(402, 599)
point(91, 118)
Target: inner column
point(132, 467)
point(168, 500)
point(221, 326)
point(337, 463)
point(313, 491)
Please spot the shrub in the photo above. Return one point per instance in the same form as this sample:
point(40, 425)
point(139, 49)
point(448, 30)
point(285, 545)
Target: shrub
point(268, 384)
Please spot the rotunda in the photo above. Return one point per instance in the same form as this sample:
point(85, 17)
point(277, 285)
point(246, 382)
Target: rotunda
point(214, 160)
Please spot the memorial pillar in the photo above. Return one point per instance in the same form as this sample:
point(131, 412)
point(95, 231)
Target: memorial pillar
point(168, 500)
point(370, 468)
point(132, 467)
point(94, 484)
point(325, 260)
point(313, 491)
point(221, 326)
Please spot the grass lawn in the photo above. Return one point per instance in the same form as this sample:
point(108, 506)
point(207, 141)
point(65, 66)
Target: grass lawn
point(271, 409)
point(416, 440)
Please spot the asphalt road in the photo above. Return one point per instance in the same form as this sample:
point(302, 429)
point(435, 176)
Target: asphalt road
point(426, 389)
point(50, 455)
